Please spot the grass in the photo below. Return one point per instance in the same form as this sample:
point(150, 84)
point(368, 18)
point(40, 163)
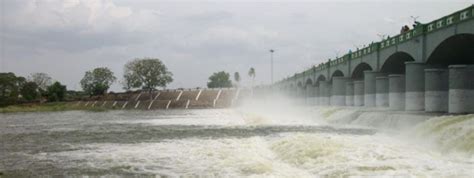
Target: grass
point(49, 107)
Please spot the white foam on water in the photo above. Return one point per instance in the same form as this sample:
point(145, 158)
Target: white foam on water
point(449, 134)
point(190, 157)
point(286, 155)
point(407, 145)
point(222, 117)
point(258, 112)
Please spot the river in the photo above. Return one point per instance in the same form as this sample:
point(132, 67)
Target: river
point(243, 142)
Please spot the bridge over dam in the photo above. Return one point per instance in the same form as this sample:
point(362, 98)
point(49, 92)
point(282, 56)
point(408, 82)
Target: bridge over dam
point(169, 99)
point(429, 68)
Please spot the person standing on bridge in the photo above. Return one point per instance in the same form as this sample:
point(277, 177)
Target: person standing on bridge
point(405, 29)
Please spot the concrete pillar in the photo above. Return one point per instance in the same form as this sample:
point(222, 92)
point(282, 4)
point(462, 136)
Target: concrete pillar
point(396, 96)
point(329, 92)
point(316, 95)
point(338, 97)
point(369, 88)
point(349, 93)
point(300, 95)
point(415, 86)
point(307, 94)
point(461, 89)
point(323, 93)
point(381, 92)
point(311, 95)
point(436, 90)
point(295, 94)
point(359, 93)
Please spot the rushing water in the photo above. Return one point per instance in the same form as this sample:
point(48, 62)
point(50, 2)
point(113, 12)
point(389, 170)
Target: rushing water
point(245, 142)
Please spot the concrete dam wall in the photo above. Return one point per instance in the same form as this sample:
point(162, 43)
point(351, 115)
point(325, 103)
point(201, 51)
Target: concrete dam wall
point(169, 99)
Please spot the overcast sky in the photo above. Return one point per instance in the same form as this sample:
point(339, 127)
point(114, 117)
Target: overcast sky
point(65, 38)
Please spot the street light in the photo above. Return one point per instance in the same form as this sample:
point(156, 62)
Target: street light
point(271, 64)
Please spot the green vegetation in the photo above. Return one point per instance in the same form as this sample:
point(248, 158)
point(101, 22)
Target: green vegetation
point(30, 91)
point(97, 81)
point(49, 107)
point(147, 74)
point(10, 86)
point(219, 80)
point(56, 92)
point(237, 78)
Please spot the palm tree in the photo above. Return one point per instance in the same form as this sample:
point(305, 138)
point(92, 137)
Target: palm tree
point(252, 75)
point(237, 78)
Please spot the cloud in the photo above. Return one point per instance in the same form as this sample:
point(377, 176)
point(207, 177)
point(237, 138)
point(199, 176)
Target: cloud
point(194, 39)
point(75, 26)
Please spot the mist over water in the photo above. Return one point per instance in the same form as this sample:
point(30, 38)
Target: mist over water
point(262, 138)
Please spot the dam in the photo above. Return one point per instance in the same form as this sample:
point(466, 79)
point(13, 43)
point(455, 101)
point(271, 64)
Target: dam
point(168, 99)
point(428, 68)
point(401, 107)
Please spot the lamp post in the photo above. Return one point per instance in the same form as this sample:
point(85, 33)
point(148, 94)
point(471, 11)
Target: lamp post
point(271, 64)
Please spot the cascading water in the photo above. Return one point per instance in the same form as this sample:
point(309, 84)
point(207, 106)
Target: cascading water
point(258, 140)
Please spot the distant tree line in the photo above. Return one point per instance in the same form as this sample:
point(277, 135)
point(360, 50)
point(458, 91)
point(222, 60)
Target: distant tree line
point(146, 74)
point(222, 79)
point(15, 89)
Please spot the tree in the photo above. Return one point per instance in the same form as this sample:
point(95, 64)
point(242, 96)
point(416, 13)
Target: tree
point(131, 81)
point(10, 86)
point(237, 77)
point(219, 80)
point(56, 92)
point(252, 74)
point(146, 73)
point(30, 91)
point(97, 81)
point(42, 80)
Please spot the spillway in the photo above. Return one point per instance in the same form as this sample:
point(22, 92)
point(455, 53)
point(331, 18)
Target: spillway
point(264, 141)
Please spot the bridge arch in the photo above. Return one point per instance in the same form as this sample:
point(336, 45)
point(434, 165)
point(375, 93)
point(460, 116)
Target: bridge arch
point(395, 63)
point(358, 72)
point(337, 73)
point(320, 78)
point(299, 85)
point(457, 49)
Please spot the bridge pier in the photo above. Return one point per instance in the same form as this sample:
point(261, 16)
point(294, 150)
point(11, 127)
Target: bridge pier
point(359, 93)
point(316, 95)
point(300, 95)
point(307, 95)
point(436, 90)
point(329, 92)
point(369, 88)
point(324, 96)
point(396, 94)
point(349, 93)
point(415, 86)
point(381, 93)
point(461, 89)
point(311, 99)
point(338, 97)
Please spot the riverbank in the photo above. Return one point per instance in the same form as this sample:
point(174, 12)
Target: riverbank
point(48, 107)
